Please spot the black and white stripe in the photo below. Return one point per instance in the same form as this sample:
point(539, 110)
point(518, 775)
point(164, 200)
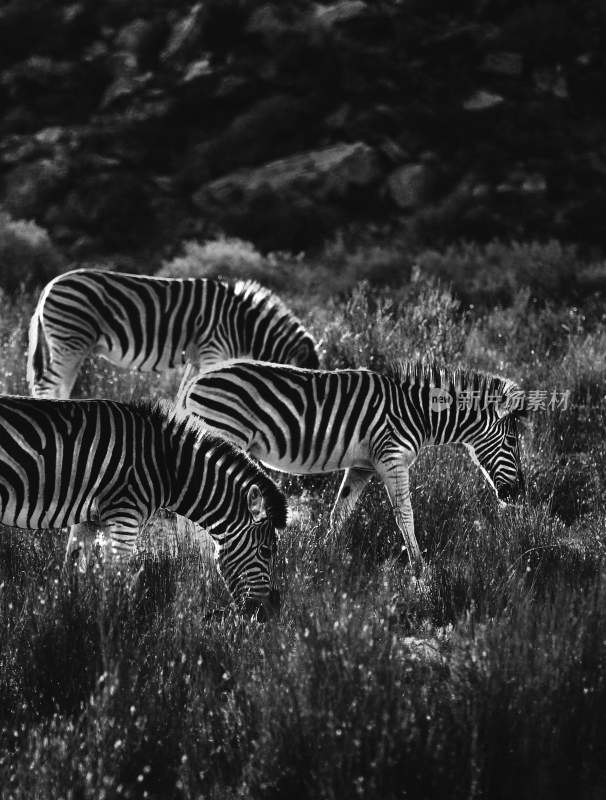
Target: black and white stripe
point(153, 324)
point(311, 421)
point(101, 465)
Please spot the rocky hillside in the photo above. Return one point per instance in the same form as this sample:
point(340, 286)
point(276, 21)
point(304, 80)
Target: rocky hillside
point(129, 126)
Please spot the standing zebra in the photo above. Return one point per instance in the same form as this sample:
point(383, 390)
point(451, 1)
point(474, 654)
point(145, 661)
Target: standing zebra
point(311, 421)
point(152, 324)
point(98, 464)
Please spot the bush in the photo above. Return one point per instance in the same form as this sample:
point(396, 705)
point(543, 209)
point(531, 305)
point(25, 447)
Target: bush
point(229, 259)
point(371, 329)
point(15, 313)
point(485, 275)
point(27, 255)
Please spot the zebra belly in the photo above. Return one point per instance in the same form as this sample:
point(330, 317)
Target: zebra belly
point(353, 457)
point(139, 361)
point(34, 518)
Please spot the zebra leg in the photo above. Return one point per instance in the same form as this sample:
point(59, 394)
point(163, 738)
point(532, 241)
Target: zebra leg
point(397, 483)
point(350, 490)
point(121, 543)
point(59, 378)
point(80, 546)
point(191, 370)
point(122, 539)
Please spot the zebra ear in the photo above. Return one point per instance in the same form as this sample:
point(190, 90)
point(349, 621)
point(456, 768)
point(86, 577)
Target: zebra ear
point(302, 354)
point(256, 504)
point(512, 405)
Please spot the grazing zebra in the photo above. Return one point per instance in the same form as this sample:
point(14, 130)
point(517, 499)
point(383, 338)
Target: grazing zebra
point(99, 464)
point(310, 421)
point(152, 324)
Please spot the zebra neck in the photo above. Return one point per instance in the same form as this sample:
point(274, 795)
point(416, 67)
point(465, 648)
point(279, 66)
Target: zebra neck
point(257, 321)
point(203, 473)
point(455, 426)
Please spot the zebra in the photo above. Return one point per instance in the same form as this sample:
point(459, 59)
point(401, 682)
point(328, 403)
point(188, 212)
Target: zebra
point(100, 465)
point(153, 324)
point(312, 421)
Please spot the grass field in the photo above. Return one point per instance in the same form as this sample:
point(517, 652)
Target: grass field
point(486, 679)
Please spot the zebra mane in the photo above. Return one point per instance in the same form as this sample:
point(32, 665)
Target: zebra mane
point(182, 424)
point(433, 374)
point(260, 295)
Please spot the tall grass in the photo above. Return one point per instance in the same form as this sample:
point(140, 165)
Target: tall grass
point(482, 678)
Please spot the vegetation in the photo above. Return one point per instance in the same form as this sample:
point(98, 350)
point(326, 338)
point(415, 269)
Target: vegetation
point(485, 678)
point(27, 255)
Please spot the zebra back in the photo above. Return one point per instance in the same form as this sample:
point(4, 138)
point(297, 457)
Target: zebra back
point(152, 323)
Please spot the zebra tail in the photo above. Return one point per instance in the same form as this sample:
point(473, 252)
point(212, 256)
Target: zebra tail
point(37, 351)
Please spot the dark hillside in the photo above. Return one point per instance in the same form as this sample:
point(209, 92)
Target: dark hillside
point(129, 126)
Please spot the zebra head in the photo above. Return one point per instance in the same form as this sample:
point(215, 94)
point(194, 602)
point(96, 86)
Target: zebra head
point(273, 333)
point(496, 451)
point(245, 556)
point(304, 353)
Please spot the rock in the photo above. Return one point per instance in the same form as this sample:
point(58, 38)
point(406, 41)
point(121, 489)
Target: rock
point(45, 143)
point(272, 127)
point(265, 23)
point(340, 12)
point(392, 151)
point(332, 171)
point(134, 37)
point(231, 86)
point(37, 73)
point(113, 206)
point(185, 36)
point(481, 190)
point(551, 80)
point(409, 186)
point(534, 183)
point(201, 68)
point(503, 63)
point(28, 187)
point(125, 86)
point(481, 100)
point(295, 201)
point(338, 119)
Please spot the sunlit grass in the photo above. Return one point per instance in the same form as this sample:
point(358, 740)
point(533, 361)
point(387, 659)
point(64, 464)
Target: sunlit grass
point(482, 677)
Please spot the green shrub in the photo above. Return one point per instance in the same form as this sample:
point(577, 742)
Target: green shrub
point(27, 255)
point(486, 275)
point(371, 329)
point(15, 313)
point(373, 683)
point(220, 258)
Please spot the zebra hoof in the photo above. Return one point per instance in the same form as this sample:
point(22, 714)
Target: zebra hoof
point(75, 562)
point(415, 564)
point(136, 584)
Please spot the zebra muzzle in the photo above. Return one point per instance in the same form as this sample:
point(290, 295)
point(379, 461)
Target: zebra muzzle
point(263, 610)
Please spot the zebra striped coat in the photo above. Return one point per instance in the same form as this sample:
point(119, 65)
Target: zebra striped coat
point(153, 324)
point(98, 464)
point(310, 421)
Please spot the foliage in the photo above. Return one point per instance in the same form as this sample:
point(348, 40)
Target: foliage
point(219, 258)
point(27, 255)
point(481, 677)
point(484, 275)
point(372, 328)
